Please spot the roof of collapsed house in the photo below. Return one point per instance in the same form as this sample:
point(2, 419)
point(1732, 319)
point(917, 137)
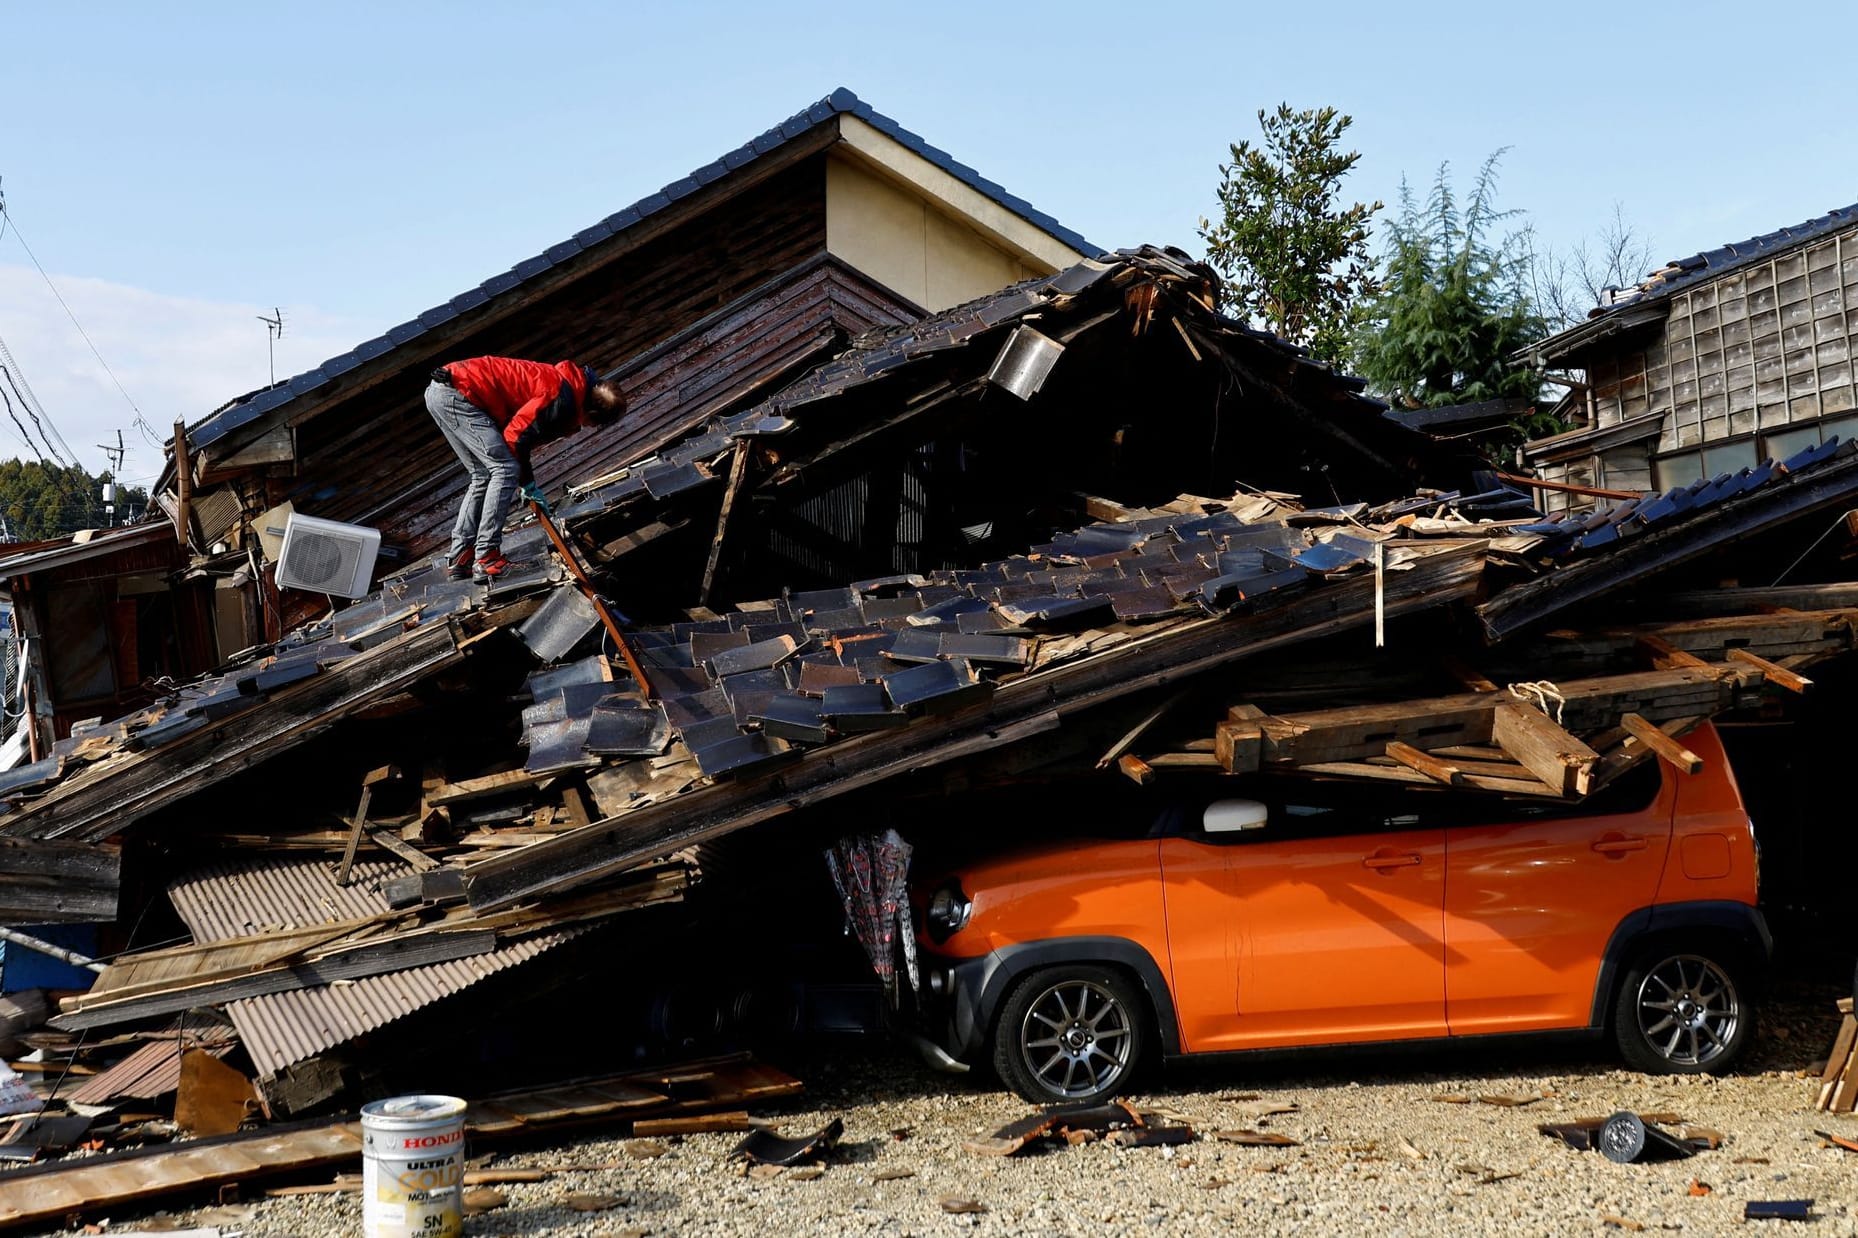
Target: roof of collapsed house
point(870, 664)
point(840, 102)
point(902, 384)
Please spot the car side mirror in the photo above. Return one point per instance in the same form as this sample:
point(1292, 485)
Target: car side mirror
point(1232, 816)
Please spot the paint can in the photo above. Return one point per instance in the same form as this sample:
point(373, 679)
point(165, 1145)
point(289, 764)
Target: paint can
point(412, 1167)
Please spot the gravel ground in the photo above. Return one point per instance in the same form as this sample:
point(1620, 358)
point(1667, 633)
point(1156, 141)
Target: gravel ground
point(1383, 1155)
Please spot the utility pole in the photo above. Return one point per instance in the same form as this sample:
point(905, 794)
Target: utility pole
point(115, 455)
point(274, 331)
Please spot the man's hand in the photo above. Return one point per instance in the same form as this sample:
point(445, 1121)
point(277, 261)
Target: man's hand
point(532, 493)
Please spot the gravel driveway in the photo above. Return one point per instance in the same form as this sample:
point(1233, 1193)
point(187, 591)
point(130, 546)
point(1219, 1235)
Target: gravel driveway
point(1385, 1156)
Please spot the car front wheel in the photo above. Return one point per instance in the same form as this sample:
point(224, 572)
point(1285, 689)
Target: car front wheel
point(1070, 1035)
point(1682, 1014)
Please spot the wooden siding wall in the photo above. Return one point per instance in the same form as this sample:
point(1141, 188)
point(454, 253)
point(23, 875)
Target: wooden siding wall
point(378, 459)
point(1741, 362)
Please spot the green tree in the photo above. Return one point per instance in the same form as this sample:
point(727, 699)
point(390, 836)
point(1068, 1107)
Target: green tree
point(1293, 260)
point(42, 501)
point(1456, 306)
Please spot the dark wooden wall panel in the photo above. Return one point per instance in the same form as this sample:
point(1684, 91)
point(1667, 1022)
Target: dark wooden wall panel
point(377, 459)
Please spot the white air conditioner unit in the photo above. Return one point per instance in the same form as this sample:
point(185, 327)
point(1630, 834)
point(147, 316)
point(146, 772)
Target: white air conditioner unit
point(326, 556)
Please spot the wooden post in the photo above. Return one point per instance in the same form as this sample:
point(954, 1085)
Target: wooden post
point(1777, 674)
point(1534, 741)
point(1653, 737)
point(1431, 766)
point(183, 485)
point(587, 589)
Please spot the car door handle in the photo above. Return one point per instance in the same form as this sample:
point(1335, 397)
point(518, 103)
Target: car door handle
point(1619, 845)
point(1382, 862)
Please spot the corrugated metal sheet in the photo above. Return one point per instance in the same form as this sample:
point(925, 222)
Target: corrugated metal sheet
point(155, 1068)
point(224, 900)
point(283, 1028)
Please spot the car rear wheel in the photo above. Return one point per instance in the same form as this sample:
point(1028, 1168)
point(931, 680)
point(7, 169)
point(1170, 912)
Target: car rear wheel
point(1070, 1035)
point(1682, 1014)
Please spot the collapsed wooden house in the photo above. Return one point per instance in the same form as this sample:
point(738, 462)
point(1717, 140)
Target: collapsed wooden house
point(957, 556)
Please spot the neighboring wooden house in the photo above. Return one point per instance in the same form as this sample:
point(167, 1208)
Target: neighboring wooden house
point(1716, 362)
point(705, 295)
point(99, 616)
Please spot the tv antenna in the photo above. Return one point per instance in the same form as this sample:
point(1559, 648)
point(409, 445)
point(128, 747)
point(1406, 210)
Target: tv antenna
point(274, 331)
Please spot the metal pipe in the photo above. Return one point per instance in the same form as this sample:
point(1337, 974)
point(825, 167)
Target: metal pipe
point(18, 938)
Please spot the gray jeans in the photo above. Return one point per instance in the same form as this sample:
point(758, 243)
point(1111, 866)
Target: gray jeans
point(486, 457)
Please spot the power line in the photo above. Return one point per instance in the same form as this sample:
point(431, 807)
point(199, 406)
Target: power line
point(7, 215)
point(30, 398)
point(12, 382)
point(24, 438)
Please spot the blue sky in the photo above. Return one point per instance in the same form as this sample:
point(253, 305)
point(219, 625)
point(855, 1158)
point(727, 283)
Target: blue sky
point(179, 168)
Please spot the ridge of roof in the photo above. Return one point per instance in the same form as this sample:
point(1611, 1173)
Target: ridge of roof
point(841, 102)
point(1681, 273)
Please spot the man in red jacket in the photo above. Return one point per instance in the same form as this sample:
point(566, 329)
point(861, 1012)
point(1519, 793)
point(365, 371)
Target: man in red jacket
point(494, 411)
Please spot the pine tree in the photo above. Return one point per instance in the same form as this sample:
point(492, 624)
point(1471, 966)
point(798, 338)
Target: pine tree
point(1456, 307)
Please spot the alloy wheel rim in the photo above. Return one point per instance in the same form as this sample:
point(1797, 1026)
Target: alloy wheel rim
point(1688, 1010)
point(1076, 1038)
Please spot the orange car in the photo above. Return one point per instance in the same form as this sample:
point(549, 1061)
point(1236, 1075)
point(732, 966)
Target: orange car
point(1332, 913)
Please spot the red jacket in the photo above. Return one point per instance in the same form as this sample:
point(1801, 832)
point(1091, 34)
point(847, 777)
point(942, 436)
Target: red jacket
point(533, 403)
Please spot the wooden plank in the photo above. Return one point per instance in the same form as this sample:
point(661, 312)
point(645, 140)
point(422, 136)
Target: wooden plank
point(1664, 654)
point(356, 829)
point(1400, 773)
point(1845, 1094)
point(47, 882)
point(738, 469)
point(1135, 769)
point(1628, 751)
point(1661, 744)
point(1779, 676)
point(1238, 747)
point(1534, 740)
point(1836, 1061)
point(391, 841)
point(696, 1124)
point(352, 963)
point(50, 1193)
point(485, 787)
point(1414, 759)
point(148, 971)
point(1182, 760)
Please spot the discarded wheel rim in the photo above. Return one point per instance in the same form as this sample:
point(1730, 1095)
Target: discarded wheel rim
point(1688, 1010)
point(1076, 1038)
point(412, 1168)
point(1622, 1139)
